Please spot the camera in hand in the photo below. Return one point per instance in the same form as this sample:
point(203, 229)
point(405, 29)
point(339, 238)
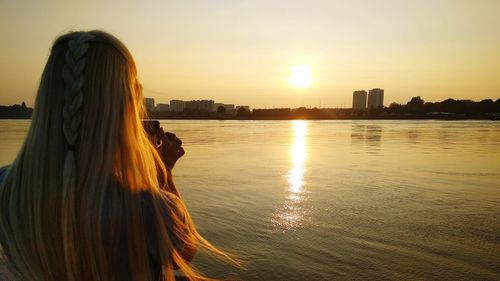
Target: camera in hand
point(152, 127)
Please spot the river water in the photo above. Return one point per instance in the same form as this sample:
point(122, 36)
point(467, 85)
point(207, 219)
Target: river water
point(339, 200)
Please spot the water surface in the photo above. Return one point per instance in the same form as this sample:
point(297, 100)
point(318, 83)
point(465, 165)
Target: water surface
point(339, 200)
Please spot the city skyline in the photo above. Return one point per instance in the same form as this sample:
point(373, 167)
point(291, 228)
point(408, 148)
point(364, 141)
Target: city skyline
point(416, 108)
point(284, 53)
point(204, 105)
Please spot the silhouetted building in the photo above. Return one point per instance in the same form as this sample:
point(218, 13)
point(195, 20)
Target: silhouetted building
point(375, 98)
point(149, 103)
point(177, 105)
point(359, 99)
point(162, 107)
point(200, 105)
point(229, 107)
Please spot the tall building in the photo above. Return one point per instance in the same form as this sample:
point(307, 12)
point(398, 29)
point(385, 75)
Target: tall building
point(375, 98)
point(359, 99)
point(177, 105)
point(149, 103)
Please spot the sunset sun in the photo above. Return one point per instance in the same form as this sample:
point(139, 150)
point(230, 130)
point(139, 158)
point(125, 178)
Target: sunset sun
point(301, 76)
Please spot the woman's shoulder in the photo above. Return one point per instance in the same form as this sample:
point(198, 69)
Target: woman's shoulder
point(171, 215)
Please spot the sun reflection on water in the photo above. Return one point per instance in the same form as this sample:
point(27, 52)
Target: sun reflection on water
point(298, 153)
point(290, 214)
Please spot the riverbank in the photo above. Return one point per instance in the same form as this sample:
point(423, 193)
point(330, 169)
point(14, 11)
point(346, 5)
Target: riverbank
point(384, 117)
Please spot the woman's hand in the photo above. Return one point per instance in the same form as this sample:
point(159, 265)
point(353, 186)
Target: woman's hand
point(171, 149)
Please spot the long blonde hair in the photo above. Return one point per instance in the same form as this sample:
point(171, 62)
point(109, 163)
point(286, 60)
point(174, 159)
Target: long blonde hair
point(85, 137)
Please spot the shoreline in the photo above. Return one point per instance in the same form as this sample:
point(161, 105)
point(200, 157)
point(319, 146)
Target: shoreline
point(447, 118)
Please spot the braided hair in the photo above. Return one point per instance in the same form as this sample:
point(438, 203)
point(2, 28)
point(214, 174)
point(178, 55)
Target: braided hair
point(74, 79)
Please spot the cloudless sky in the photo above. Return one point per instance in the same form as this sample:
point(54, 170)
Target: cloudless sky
point(242, 52)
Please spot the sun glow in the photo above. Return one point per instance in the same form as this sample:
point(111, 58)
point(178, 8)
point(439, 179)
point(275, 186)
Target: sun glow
point(301, 76)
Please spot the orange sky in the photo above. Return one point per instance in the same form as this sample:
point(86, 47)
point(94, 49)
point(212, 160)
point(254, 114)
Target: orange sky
point(242, 52)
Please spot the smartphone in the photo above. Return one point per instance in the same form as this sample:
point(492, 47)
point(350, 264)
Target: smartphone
point(152, 127)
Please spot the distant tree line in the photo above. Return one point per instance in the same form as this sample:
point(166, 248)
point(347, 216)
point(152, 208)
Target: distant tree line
point(16, 111)
point(418, 106)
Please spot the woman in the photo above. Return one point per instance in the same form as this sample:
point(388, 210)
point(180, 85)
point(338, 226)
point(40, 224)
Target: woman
point(90, 196)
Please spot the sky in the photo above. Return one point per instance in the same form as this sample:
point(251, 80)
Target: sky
point(243, 52)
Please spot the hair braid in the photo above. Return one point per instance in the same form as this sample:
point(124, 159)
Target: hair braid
point(74, 79)
point(73, 76)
